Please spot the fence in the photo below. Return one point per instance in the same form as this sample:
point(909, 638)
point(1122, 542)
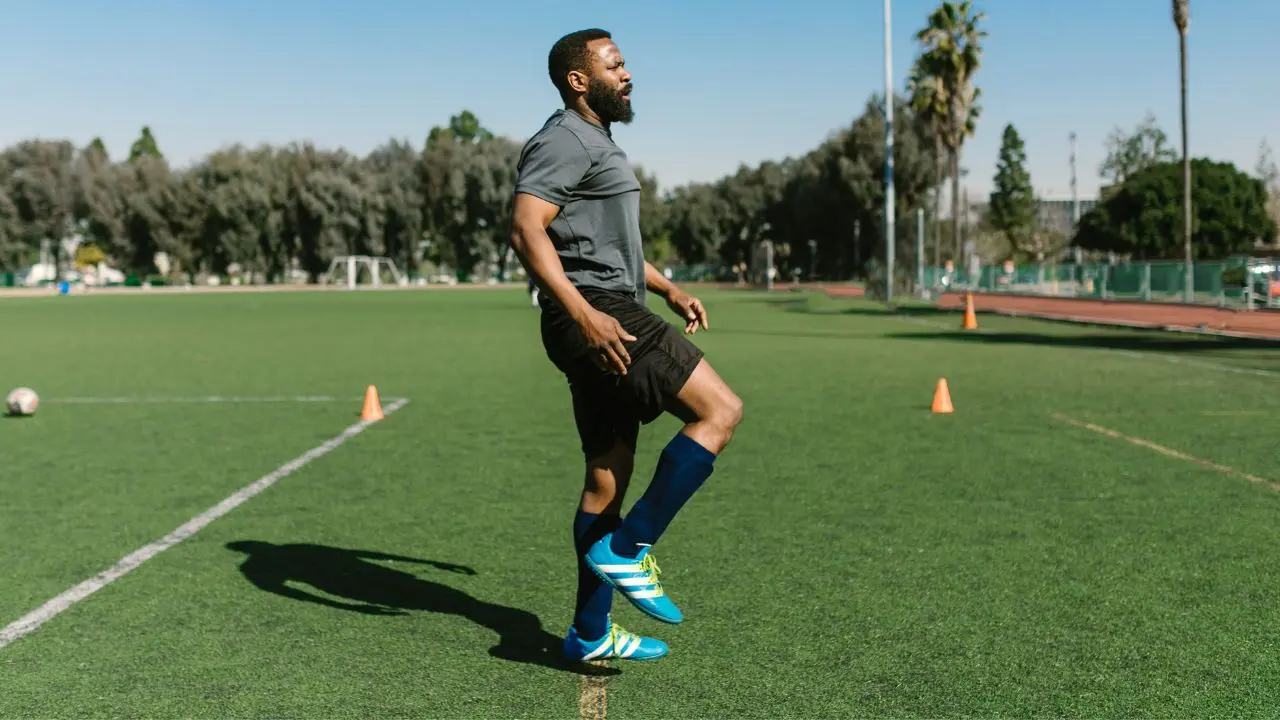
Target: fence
point(1242, 282)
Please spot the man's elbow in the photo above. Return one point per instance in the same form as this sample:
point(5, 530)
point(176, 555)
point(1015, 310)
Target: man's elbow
point(519, 239)
point(523, 234)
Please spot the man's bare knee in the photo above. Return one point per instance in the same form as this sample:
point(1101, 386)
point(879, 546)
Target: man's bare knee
point(708, 404)
point(725, 416)
point(728, 413)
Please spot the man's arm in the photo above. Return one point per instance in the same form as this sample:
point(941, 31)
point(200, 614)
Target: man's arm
point(688, 307)
point(551, 166)
point(530, 217)
point(656, 282)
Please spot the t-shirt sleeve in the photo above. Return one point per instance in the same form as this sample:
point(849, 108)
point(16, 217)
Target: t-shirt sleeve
point(553, 164)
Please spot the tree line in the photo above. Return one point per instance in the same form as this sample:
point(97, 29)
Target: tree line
point(443, 205)
point(265, 209)
point(440, 206)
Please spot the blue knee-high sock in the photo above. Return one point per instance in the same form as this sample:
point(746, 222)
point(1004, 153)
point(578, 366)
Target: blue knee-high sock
point(682, 468)
point(595, 598)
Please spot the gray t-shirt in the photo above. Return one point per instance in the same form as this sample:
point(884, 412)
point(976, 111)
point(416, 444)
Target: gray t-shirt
point(575, 164)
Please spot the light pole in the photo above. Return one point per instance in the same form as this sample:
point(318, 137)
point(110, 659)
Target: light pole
point(888, 155)
point(1181, 18)
point(919, 252)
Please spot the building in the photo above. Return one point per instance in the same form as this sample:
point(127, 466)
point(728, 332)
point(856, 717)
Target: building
point(1056, 214)
point(1051, 214)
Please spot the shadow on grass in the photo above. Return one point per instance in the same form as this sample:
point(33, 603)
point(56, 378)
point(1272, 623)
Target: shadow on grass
point(372, 589)
point(1134, 340)
point(862, 307)
point(798, 334)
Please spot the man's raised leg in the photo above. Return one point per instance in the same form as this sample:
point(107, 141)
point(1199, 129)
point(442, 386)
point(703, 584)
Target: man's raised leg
point(712, 412)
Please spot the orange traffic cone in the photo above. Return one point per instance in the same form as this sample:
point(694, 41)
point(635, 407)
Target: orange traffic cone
point(942, 398)
point(970, 318)
point(372, 408)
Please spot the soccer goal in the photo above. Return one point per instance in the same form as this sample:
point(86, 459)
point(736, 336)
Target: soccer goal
point(353, 270)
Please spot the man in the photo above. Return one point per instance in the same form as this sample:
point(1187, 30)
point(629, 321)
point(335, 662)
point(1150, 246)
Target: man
point(575, 227)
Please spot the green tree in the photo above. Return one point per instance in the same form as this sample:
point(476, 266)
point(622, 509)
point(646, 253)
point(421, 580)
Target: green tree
point(159, 215)
point(951, 54)
point(1012, 209)
point(242, 222)
point(99, 148)
point(467, 176)
point(463, 128)
point(1130, 152)
point(268, 212)
point(144, 146)
point(930, 109)
point(1266, 168)
point(13, 250)
point(1143, 216)
point(1269, 174)
point(42, 190)
point(395, 167)
point(99, 197)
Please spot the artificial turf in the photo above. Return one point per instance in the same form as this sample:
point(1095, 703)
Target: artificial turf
point(854, 555)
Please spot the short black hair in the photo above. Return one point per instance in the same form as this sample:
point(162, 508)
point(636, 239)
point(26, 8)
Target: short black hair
point(570, 53)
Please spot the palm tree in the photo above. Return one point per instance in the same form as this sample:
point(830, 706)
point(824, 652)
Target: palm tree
point(951, 53)
point(1181, 17)
point(931, 110)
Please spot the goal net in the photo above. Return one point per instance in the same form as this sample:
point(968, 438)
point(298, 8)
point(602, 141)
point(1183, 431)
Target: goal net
point(373, 271)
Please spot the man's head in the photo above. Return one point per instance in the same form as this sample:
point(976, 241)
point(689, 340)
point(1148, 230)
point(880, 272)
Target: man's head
point(586, 65)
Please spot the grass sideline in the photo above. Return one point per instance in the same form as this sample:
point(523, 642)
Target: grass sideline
point(882, 560)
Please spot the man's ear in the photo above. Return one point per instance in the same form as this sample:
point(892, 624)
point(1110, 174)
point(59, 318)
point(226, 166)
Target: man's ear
point(578, 80)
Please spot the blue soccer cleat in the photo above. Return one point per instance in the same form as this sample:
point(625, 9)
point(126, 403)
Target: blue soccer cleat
point(636, 578)
point(617, 644)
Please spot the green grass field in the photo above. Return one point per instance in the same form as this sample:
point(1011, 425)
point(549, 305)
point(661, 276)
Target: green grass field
point(854, 555)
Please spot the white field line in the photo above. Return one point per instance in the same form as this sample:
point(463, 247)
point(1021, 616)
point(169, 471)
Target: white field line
point(203, 399)
point(31, 621)
point(1170, 452)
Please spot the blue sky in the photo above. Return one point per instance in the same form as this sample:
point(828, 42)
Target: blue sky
point(718, 83)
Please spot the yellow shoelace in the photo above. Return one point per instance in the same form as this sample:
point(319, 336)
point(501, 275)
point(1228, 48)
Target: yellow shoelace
point(650, 567)
point(618, 638)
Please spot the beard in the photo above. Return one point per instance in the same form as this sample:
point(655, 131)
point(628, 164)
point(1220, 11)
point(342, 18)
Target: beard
point(608, 103)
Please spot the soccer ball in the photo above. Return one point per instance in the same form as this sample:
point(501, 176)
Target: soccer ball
point(22, 401)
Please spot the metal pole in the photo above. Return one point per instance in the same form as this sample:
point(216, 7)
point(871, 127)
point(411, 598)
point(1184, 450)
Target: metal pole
point(1181, 19)
point(1075, 190)
point(888, 154)
point(1186, 182)
point(768, 264)
point(920, 250)
point(1248, 284)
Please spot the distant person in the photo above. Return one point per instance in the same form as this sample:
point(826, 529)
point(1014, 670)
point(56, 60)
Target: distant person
point(533, 292)
point(575, 226)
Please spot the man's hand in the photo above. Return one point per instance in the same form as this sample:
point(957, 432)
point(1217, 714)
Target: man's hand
point(605, 337)
point(689, 308)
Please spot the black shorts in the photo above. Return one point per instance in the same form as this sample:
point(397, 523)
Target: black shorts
point(608, 407)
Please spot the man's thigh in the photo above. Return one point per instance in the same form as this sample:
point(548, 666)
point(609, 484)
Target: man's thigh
point(703, 395)
point(657, 376)
point(603, 418)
